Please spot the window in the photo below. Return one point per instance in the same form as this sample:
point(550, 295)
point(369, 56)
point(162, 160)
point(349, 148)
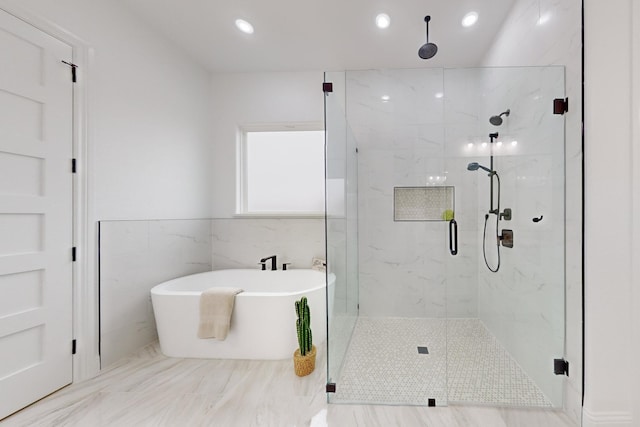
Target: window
point(282, 170)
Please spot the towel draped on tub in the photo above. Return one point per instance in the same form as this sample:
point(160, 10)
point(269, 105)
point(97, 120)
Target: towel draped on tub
point(216, 306)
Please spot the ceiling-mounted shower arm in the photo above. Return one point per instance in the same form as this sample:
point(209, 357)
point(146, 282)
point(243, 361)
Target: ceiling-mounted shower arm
point(427, 19)
point(427, 50)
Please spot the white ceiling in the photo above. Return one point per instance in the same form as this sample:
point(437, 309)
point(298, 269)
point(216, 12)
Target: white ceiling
point(295, 35)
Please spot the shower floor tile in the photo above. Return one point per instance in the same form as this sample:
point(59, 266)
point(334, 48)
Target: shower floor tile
point(383, 365)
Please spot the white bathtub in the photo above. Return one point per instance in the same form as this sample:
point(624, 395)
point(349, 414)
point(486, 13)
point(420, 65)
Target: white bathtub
point(263, 320)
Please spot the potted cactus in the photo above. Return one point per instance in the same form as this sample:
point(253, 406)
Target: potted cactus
point(304, 358)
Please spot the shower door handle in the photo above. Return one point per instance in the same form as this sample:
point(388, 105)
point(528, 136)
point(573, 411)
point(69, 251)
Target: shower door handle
point(453, 237)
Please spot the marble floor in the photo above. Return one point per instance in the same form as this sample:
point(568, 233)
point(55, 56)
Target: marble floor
point(149, 389)
point(463, 363)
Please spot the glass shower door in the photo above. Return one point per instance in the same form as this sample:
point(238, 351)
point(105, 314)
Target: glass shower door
point(424, 311)
point(341, 227)
point(388, 146)
point(512, 320)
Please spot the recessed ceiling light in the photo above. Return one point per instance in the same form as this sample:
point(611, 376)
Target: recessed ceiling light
point(385, 98)
point(469, 19)
point(244, 26)
point(383, 20)
point(439, 95)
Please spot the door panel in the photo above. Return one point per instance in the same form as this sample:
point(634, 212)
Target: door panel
point(36, 96)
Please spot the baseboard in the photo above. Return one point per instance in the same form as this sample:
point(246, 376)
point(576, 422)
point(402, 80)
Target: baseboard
point(606, 419)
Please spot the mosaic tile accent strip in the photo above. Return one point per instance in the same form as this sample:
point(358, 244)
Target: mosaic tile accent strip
point(423, 203)
point(382, 365)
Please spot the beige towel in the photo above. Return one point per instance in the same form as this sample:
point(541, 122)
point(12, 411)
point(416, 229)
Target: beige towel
point(216, 306)
point(319, 264)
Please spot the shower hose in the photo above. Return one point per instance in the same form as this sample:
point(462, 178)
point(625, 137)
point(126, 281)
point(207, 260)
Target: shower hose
point(484, 234)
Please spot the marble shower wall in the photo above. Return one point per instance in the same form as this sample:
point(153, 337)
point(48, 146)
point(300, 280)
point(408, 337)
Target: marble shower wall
point(134, 257)
point(405, 267)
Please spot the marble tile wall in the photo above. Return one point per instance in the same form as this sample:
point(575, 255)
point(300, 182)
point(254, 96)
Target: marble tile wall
point(242, 242)
point(401, 142)
point(134, 257)
point(137, 255)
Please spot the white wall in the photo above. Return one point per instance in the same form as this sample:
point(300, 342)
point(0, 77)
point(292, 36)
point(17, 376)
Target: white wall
point(609, 149)
point(148, 135)
point(255, 98)
point(523, 42)
point(148, 110)
point(635, 254)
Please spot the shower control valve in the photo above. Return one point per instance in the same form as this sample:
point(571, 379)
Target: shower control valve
point(506, 238)
point(506, 214)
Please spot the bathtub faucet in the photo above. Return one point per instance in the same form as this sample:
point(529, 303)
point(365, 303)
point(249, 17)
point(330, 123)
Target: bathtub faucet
point(273, 262)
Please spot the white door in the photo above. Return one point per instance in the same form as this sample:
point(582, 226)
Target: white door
point(35, 214)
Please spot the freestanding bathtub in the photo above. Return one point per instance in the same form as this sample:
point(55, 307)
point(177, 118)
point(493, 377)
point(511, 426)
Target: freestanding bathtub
point(263, 319)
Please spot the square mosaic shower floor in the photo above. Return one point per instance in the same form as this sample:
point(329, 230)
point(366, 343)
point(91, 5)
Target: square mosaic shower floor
point(383, 365)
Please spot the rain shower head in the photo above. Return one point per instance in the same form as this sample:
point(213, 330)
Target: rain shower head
point(475, 166)
point(427, 50)
point(497, 120)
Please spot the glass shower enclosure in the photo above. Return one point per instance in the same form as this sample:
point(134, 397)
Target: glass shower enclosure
point(445, 231)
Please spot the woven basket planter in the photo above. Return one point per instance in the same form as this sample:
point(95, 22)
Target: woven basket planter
point(304, 365)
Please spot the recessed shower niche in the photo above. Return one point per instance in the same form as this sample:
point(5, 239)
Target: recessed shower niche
point(423, 203)
point(401, 141)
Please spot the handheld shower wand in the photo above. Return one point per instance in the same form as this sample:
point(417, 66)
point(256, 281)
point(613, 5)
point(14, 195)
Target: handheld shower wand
point(475, 166)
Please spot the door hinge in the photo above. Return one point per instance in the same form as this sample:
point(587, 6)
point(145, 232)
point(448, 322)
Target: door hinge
point(560, 367)
point(327, 87)
point(560, 106)
point(73, 70)
point(73, 254)
point(73, 347)
point(73, 166)
point(331, 387)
